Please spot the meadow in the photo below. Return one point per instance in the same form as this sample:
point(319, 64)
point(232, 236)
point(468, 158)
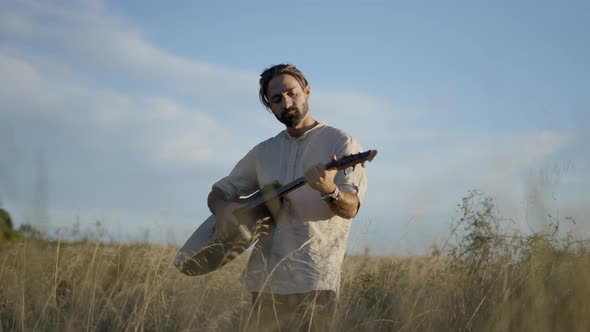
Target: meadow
point(482, 279)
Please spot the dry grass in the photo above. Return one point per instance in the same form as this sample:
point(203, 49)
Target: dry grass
point(479, 282)
point(91, 286)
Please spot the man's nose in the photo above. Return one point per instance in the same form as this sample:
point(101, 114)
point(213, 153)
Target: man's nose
point(287, 102)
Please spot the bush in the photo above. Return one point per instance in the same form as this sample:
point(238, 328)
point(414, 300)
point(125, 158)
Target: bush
point(7, 233)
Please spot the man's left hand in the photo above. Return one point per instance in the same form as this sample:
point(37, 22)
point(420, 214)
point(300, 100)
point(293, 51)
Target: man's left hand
point(321, 179)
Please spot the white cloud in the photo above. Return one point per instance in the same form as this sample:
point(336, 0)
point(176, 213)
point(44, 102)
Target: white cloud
point(89, 32)
point(19, 79)
point(431, 181)
point(158, 128)
point(369, 118)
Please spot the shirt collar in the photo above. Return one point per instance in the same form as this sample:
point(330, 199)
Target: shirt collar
point(305, 134)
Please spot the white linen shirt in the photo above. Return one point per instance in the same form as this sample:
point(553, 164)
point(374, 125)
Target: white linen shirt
point(305, 248)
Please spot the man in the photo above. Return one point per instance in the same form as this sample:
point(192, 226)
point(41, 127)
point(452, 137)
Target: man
point(294, 273)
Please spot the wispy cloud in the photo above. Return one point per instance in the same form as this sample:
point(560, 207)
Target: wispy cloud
point(160, 129)
point(87, 33)
point(430, 182)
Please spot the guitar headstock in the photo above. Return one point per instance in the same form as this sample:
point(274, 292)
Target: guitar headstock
point(352, 160)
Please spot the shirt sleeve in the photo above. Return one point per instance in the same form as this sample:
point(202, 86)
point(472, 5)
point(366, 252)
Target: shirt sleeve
point(242, 180)
point(352, 179)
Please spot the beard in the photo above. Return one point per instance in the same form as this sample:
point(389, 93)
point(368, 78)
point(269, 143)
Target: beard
point(293, 116)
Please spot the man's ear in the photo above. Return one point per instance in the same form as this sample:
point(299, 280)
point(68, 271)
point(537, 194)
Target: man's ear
point(307, 91)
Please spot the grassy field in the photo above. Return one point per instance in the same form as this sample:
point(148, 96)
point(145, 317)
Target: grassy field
point(482, 280)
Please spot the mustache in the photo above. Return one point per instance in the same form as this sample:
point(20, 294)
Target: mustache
point(286, 111)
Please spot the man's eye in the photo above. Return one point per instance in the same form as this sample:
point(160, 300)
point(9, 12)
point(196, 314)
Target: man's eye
point(291, 93)
point(275, 100)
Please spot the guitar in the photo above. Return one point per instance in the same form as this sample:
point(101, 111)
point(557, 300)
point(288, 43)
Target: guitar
point(203, 252)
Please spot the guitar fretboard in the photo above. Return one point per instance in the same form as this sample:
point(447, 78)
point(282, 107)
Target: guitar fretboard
point(261, 197)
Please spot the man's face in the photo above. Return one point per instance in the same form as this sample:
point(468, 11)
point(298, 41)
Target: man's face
point(288, 100)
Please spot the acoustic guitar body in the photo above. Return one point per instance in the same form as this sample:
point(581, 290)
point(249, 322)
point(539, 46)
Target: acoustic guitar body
point(203, 252)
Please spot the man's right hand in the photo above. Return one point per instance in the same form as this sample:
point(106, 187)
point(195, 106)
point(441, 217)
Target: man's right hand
point(226, 223)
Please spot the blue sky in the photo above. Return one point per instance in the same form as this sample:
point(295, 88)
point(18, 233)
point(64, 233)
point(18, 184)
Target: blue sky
point(127, 112)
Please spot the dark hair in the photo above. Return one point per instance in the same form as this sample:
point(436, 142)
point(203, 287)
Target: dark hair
point(274, 71)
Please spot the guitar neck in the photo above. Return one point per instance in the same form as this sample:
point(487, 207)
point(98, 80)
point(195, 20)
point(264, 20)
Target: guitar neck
point(262, 197)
